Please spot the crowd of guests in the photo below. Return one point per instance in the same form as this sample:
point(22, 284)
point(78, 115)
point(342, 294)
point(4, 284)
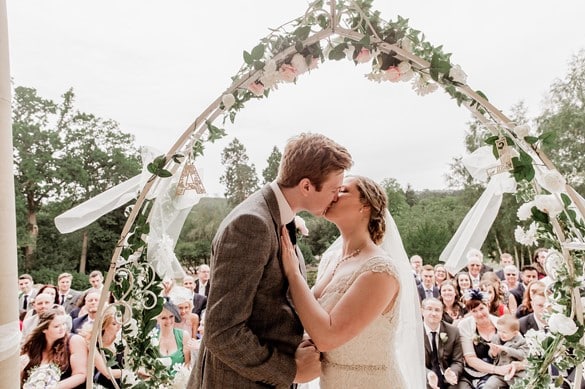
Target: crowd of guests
point(475, 320)
point(57, 323)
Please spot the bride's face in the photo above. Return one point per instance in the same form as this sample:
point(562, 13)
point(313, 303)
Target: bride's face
point(348, 203)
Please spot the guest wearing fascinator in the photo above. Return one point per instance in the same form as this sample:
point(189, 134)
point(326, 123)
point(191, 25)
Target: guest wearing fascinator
point(476, 332)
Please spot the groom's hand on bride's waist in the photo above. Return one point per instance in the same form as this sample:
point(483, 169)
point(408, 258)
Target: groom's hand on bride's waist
point(308, 362)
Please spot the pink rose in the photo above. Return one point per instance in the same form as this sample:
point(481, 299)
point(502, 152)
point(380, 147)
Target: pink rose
point(257, 88)
point(363, 56)
point(393, 74)
point(288, 72)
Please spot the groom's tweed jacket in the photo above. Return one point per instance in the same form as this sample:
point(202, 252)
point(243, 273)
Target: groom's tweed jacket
point(251, 329)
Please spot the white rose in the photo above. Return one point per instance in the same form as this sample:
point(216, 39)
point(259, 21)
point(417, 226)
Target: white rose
point(457, 74)
point(228, 100)
point(270, 75)
point(527, 238)
point(551, 180)
point(525, 211)
point(549, 204)
point(154, 341)
point(522, 130)
point(300, 63)
point(561, 324)
point(301, 226)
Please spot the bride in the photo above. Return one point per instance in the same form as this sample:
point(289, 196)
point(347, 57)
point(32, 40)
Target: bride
point(363, 312)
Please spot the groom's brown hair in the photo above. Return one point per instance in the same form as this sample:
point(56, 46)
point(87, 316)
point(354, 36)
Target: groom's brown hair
point(312, 156)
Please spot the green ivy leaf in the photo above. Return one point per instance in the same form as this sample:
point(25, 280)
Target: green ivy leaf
point(198, 148)
point(531, 139)
point(492, 140)
point(177, 158)
point(302, 33)
point(337, 52)
point(547, 138)
point(299, 46)
point(248, 58)
point(539, 216)
point(480, 93)
point(215, 133)
point(258, 52)
point(259, 65)
point(566, 199)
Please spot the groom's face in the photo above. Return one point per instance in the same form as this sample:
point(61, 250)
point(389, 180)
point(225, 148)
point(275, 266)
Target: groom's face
point(319, 201)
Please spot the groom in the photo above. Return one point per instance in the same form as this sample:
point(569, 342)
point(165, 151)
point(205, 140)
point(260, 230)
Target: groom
point(252, 333)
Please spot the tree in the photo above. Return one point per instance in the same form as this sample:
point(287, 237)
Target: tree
point(271, 171)
point(239, 178)
point(63, 155)
point(37, 176)
point(564, 119)
point(396, 197)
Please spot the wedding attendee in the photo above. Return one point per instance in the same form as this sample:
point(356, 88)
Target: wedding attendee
point(111, 369)
point(475, 267)
point(26, 294)
point(172, 341)
point(477, 330)
point(42, 303)
point(535, 320)
point(512, 282)
point(202, 282)
point(49, 342)
point(67, 296)
point(441, 274)
point(494, 299)
point(92, 300)
point(533, 288)
point(359, 296)
point(453, 310)
point(199, 301)
point(443, 354)
point(181, 298)
point(538, 260)
point(507, 346)
point(427, 288)
point(252, 335)
point(529, 274)
point(463, 283)
point(506, 259)
point(51, 290)
point(96, 280)
point(416, 262)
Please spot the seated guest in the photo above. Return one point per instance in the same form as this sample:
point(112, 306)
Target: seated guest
point(507, 346)
point(535, 320)
point(172, 341)
point(443, 354)
point(106, 371)
point(427, 288)
point(506, 259)
point(49, 342)
point(476, 331)
point(463, 283)
point(92, 301)
point(441, 274)
point(533, 288)
point(495, 304)
point(453, 311)
point(42, 303)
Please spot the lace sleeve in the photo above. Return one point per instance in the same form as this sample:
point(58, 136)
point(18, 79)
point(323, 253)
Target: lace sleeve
point(380, 265)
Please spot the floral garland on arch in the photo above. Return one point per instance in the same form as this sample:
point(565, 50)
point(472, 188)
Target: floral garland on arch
point(352, 30)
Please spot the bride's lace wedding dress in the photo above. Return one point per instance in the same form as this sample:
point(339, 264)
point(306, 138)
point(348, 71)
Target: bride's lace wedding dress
point(369, 359)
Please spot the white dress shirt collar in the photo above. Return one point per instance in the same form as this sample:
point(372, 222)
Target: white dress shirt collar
point(286, 212)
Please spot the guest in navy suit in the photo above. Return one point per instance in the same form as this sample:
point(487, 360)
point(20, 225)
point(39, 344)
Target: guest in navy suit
point(427, 287)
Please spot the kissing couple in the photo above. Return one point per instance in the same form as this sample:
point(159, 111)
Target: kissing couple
point(359, 326)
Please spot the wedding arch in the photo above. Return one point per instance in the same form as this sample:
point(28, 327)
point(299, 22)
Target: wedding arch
point(511, 162)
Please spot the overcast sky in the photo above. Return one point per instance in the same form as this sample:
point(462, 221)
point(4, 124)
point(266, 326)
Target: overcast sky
point(154, 66)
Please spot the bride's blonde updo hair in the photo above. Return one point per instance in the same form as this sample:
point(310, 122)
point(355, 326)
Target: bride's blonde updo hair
point(374, 196)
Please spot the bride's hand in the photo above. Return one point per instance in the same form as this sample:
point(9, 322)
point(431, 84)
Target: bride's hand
point(290, 262)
